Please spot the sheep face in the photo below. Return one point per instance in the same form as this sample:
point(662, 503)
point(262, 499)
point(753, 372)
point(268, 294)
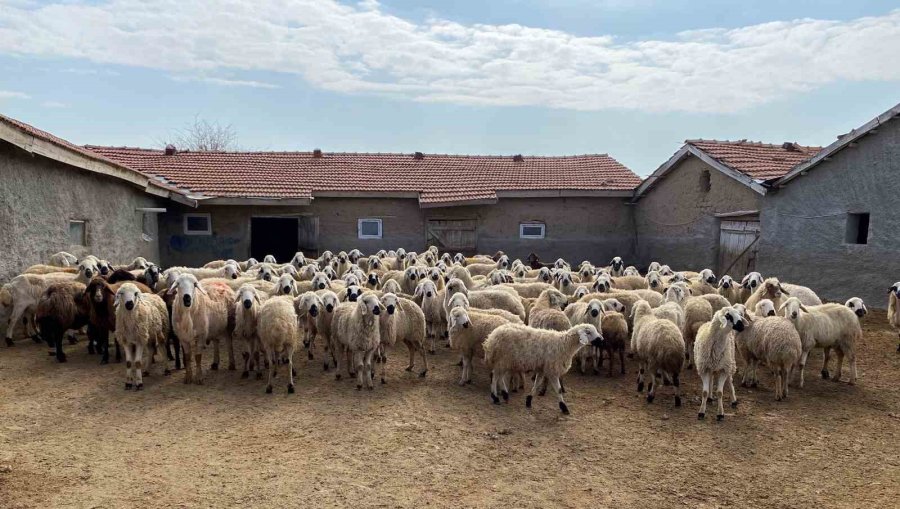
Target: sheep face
point(774, 289)
point(456, 286)
point(372, 279)
point(499, 277)
point(139, 263)
point(675, 293)
point(458, 317)
point(251, 262)
point(654, 266)
point(752, 280)
point(594, 308)
point(580, 292)
point(429, 259)
point(588, 335)
point(231, 271)
point(401, 253)
point(327, 256)
point(374, 263)
point(390, 302)
point(544, 274)
point(653, 279)
point(557, 299)
point(459, 258)
point(858, 306)
point(269, 259)
point(391, 286)
point(321, 281)
point(87, 269)
point(564, 279)
point(730, 317)
point(266, 273)
point(613, 305)
point(586, 272)
point(678, 277)
point(631, 271)
point(128, 295)
point(185, 286)
point(503, 262)
point(708, 276)
point(665, 270)
point(764, 307)
point(286, 285)
point(353, 293)
point(726, 282)
point(354, 255)
point(617, 263)
point(329, 301)
point(520, 272)
point(433, 250)
point(381, 254)
point(329, 272)
point(434, 274)
point(151, 274)
point(458, 301)
point(351, 279)
point(369, 304)
point(426, 289)
point(559, 264)
point(411, 274)
point(410, 258)
point(104, 267)
point(246, 296)
point(447, 259)
point(96, 289)
point(602, 284)
point(895, 289)
point(792, 308)
point(342, 257)
point(308, 304)
point(298, 260)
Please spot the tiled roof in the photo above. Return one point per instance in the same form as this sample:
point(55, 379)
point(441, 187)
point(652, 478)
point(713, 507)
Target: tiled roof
point(760, 161)
point(435, 178)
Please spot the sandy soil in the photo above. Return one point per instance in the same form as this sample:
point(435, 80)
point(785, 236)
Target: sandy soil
point(70, 436)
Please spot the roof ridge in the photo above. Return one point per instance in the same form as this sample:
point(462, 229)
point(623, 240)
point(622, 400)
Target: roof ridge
point(324, 153)
point(745, 142)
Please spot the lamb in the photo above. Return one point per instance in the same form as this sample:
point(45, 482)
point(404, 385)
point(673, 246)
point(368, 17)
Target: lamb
point(355, 329)
point(714, 357)
point(323, 324)
point(729, 289)
point(99, 299)
point(308, 307)
point(24, 292)
point(486, 299)
point(749, 284)
point(269, 259)
point(278, 333)
point(512, 349)
point(654, 281)
point(468, 329)
point(142, 321)
point(617, 266)
point(771, 289)
point(247, 303)
point(764, 307)
point(547, 311)
point(587, 312)
point(432, 307)
point(202, 312)
point(659, 347)
point(60, 308)
point(404, 322)
point(614, 328)
point(62, 259)
point(697, 311)
point(893, 312)
point(774, 341)
point(631, 270)
point(827, 326)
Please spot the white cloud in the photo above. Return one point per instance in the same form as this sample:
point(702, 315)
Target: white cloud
point(54, 104)
point(226, 82)
point(9, 94)
point(360, 49)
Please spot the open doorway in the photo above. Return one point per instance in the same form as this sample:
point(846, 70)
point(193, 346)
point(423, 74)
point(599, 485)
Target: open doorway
point(277, 236)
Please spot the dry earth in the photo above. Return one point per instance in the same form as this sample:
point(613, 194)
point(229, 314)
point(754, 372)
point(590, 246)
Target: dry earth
point(70, 436)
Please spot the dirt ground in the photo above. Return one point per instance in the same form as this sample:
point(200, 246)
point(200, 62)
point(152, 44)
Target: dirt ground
point(71, 436)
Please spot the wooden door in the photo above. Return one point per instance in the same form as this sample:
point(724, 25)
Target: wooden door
point(737, 248)
point(456, 235)
point(309, 236)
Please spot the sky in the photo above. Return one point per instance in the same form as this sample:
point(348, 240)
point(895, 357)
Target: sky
point(633, 79)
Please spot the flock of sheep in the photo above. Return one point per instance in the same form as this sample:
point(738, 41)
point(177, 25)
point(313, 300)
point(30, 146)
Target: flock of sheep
point(527, 322)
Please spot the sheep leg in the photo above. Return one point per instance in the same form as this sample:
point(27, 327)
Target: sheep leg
point(129, 368)
point(360, 364)
point(101, 339)
point(246, 372)
point(729, 381)
point(383, 367)
point(640, 380)
point(165, 359)
point(270, 354)
point(198, 361)
point(290, 356)
point(851, 360)
point(176, 345)
point(421, 348)
point(651, 386)
point(215, 364)
point(17, 313)
point(462, 372)
point(538, 379)
point(495, 379)
point(778, 375)
point(370, 369)
point(229, 341)
point(802, 365)
point(840, 365)
point(826, 356)
point(188, 367)
point(705, 378)
point(720, 379)
point(621, 360)
point(676, 382)
point(138, 366)
point(557, 386)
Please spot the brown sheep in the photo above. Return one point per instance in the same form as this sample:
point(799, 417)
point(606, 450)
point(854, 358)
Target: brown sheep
point(61, 308)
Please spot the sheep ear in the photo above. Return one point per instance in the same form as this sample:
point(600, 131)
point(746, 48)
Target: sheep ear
point(138, 297)
point(115, 300)
point(172, 288)
point(782, 306)
point(200, 289)
point(722, 319)
point(803, 308)
point(783, 290)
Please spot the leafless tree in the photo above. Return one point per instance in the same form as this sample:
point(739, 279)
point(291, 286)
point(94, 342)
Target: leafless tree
point(204, 136)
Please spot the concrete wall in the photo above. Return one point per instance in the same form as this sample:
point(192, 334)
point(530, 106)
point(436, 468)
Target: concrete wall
point(675, 220)
point(38, 197)
point(577, 228)
point(804, 223)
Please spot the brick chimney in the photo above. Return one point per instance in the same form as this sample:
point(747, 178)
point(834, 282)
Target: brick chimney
point(170, 150)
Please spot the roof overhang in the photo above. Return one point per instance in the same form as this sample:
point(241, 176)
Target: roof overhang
point(262, 202)
point(457, 203)
point(565, 193)
point(683, 153)
point(35, 145)
point(842, 143)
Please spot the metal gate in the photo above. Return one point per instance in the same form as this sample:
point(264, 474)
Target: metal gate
point(737, 247)
point(457, 235)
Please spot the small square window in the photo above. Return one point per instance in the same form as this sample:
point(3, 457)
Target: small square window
point(77, 233)
point(531, 230)
point(369, 228)
point(197, 224)
point(857, 228)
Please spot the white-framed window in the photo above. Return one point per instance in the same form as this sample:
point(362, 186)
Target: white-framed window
point(369, 228)
point(77, 232)
point(197, 224)
point(532, 230)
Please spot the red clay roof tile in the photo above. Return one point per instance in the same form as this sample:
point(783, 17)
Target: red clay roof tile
point(760, 161)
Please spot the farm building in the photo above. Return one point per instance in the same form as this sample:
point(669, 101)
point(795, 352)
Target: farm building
point(701, 207)
point(832, 221)
point(258, 203)
point(57, 196)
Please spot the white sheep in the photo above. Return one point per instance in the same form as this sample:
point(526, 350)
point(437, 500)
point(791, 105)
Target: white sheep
point(308, 306)
point(355, 330)
point(142, 321)
point(468, 329)
point(714, 357)
point(247, 303)
point(827, 326)
point(433, 309)
point(62, 259)
point(547, 311)
point(893, 311)
point(512, 349)
point(857, 306)
point(278, 333)
point(269, 259)
point(774, 341)
point(494, 298)
point(405, 322)
point(729, 289)
point(200, 314)
point(617, 266)
point(588, 312)
point(806, 296)
point(330, 302)
point(659, 348)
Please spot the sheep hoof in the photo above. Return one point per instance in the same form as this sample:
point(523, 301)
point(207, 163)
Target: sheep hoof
point(898, 347)
point(640, 386)
point(432, 352)
point(459, 364)
point(358, 387)
point(720, 417)
point(650, 398)
point(408, 368)
point(231, 367)
point(528, 401)
point(666, 381)
point(309, 356)
point(422, 374)
point(73, 340)
point(469, 382)
point(167, 372)
point(337, 376)
point(325, 366)
point(127, 386)
point(677, 401)
point(61, 358)
point(542, 392)
point(214, 366)
point(268, 389)
point(259, 376)
point(382, 381)
point(754, 385)
point(689, 366)
point(709, 400)
point(104, 361)
point(629, 355)
point(245, 375)
point(9, 342)
point(290, 389)
point(564, 408)
point(505, 395)
point(293, 372)
point(824, 374)
point(370, 387)
point(495, 399)
point(734, 404)
point(139, 387)
point(51, 353)
point(701, 416)
point(91, 350)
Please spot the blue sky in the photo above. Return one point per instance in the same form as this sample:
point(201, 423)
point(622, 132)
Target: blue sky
point(629, 78)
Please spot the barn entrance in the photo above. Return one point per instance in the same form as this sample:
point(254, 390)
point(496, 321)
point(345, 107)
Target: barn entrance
point(738, 246)
point(455, 236)
point(277, 236)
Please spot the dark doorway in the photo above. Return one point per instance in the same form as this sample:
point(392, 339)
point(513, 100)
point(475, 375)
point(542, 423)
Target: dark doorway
point(277, 236)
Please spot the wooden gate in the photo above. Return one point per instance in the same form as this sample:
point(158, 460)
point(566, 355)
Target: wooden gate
point(737, 248)
point(309, 236)
point(456, 235)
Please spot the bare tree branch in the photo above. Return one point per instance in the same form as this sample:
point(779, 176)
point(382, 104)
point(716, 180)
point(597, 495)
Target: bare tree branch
point(203, 136)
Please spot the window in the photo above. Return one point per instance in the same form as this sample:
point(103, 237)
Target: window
point(705, 183)
point(857, 228)
point(531, 230)
point(197, 224)
point(369, 228)
point(77, 233)
point(148, 221)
